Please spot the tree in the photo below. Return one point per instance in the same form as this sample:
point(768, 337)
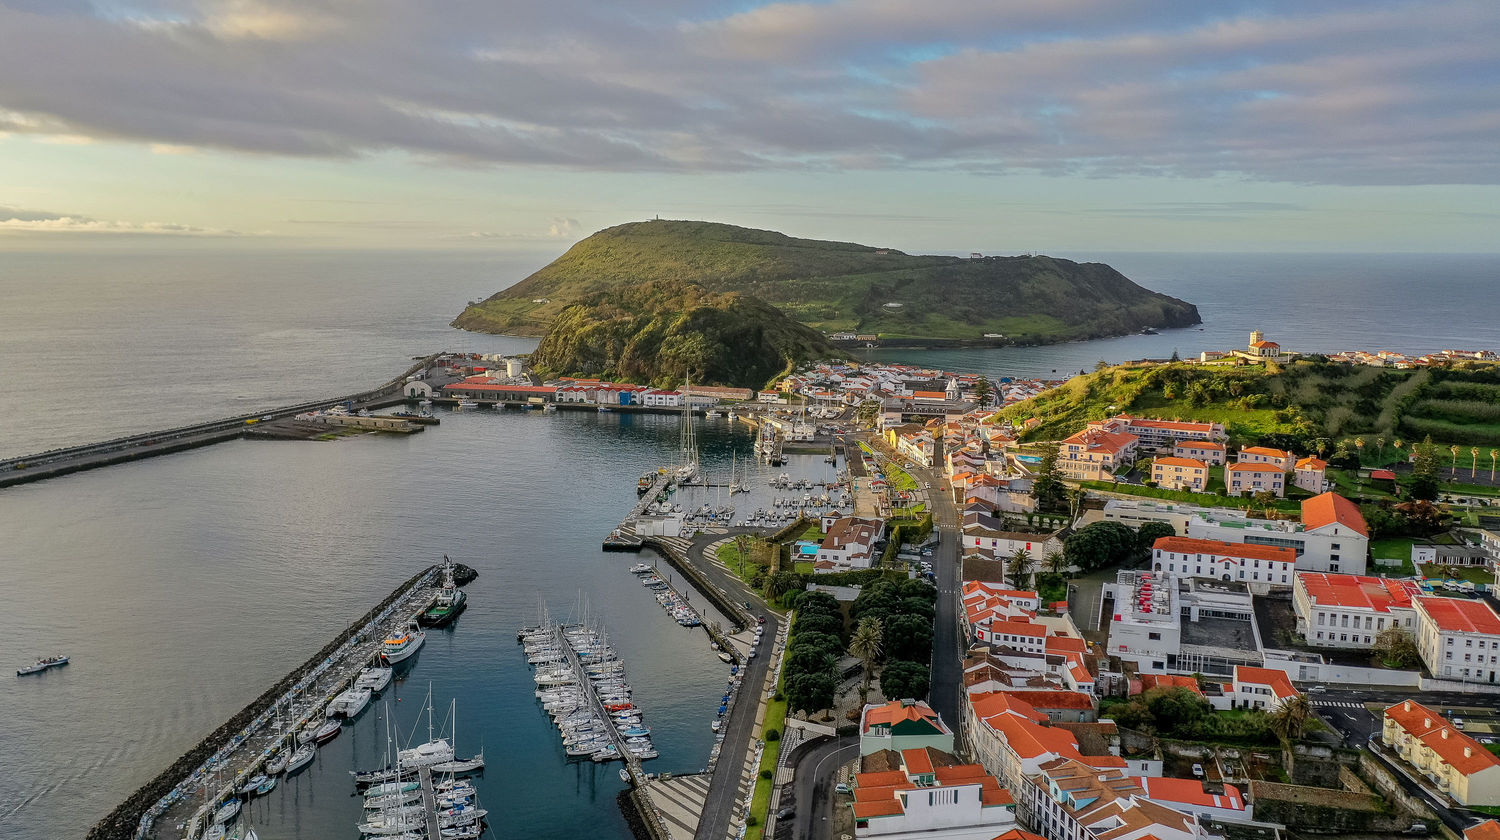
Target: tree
point(1289, 723)
point(742, 547)
point(1100, 544)
point(908, 637)
point(1018, 569)
point(1494, 453)
point(1474, 462)
point(1175, 356)
point(1454, 450)
point(1424, 472)
point(1359, 444)
point(825, 642)
point(1101, 365)
point(816, 622)
point(1396, 647)
point(1055, 562)
point(866, 645)
point(1380, 447)
point(809, 692)
point(982, 390)
point(1048, 487)
point(780, 584)
point(1147, 535)
point(901, 679)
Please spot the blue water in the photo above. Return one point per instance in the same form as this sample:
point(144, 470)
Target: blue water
point(182, 586)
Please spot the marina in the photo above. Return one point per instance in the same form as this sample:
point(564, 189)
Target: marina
point(203, 793)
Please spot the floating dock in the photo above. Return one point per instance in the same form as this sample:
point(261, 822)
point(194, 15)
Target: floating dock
point(238, 749)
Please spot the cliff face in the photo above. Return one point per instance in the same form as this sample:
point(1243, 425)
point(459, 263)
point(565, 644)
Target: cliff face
point(664, 331)
point(840, 286)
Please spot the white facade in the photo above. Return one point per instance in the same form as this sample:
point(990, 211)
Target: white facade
point(1349, 611)
point(1334, 548)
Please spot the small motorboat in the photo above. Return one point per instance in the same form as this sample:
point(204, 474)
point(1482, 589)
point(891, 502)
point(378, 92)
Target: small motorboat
point(265, 787)
point(43, 664)
point(328, 731)
point(301, 757)
point(716, 724)
point(624, 775)
point(248, 788)
point(724, 657)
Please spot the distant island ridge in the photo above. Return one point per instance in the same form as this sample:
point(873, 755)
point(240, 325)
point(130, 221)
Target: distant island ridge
point(654, 300)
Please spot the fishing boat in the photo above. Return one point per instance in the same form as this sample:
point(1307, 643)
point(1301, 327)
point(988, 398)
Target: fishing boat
point(403, 644)
point(42, 664)
point(449, 603)
point(467, 404)
point(300, 758)
point(327, 732)
point(349, 703)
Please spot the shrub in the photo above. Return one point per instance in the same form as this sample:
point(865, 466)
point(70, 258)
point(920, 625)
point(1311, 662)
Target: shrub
point(766, 774)
point(751, 820)
point(772, 735)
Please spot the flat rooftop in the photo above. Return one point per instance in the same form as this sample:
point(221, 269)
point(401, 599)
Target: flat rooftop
point(1225, 633)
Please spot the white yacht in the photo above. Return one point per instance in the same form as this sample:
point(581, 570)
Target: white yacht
point(435, 751)
point(374, 679)
point(350, 703)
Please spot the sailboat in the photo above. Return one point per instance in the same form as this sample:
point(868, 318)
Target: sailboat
point(687, 470)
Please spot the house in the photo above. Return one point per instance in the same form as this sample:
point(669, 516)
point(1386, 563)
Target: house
point(902, 725)
point(1279, 458)
point(1254, 477)
point(661, 399)
point(1260, 688)
point(416, 389)
point(1208, 451)
point(1176, 473)
point(1487, 830)
point(1457, 764)
point(1095, 454)
point(932, 797)
point(1013, 740)
point(491, 390)
point(849, 544)
point(1349, 611)
point(1160, 435)
point(1067, 799)
point(1332, 536)
point(1259, 566)
point(1458, 639)
point(1193, 796)
point(1311, 474)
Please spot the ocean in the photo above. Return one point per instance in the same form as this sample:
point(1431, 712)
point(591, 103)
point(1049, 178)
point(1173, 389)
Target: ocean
point(184, 585)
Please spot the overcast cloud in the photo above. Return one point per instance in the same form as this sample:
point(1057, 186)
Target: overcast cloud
point(1331, 93)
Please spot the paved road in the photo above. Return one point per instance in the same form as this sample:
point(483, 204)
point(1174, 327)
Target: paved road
point(723, 789)
point(812, 786)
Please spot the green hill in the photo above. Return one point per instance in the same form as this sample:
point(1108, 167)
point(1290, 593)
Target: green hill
point(1294, 405)
point(659, 332)
point(841, 286)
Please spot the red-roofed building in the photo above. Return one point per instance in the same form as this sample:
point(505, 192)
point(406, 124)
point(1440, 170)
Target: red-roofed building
point(1333, 514)
point(1457, 764)
point(1349, 611)
point(1069, 800)
point(1208, 451)
point(1160, 435)
point(489, 390)
point(1459, 639)
point(1246, 563)
point(1487, 830)
point(1175, 473)
point(1095, 454)
point(1012, 739)
point(931, 797)
point(1254, 478)
point(1193, 797)
point(1311, 474)
point(901, 725)
point(1150, 681)
point(1260, 688)
point(1281, 459)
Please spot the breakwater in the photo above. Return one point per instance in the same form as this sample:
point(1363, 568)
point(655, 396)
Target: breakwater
point(57, 462)
point(726, 605)
point(135, 816)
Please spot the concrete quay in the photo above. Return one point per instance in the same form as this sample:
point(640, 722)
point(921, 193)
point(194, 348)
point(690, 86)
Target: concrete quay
point(56, 462)
point(180, 801)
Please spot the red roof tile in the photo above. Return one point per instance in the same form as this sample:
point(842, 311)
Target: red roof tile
point(1248, 551)
point(1329, 508)
point(1460, 615)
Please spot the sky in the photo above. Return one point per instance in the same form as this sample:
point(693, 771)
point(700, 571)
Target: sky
point(943, 125)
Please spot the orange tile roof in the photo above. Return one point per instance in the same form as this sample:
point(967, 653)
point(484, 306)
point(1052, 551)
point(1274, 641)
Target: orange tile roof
point(1460, 615)
point(1456, 749)
point(883, 779)
point(1059, 700)
point(1173, 461)
point(1256, 467)
point(878, 808)
point(1018, 628)
point(917, 762)
point(1487, 830)
point(995, 796)
point(990, 703)
point(1200, 444)
point(1266, 452)
point(1179, 425)
point(1150, 681)
point(895, 711)
point(1191, 792)
point(1311, 463)
point(1247, 551)
point(1019, 834)
point(1280, 684)
point(1358, 591)
point(1329, 508)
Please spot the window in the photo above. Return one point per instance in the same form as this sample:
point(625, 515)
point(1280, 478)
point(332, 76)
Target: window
point(1320, 619)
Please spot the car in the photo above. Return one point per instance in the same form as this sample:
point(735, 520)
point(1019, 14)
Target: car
point(842, 788)
point(1198, 770)
point(907, 465)
point(1416, 828)
point(926, 552)
point(926, 485)
point(1317, 689)
point(1458, 722)
point(785, 814)
point(760, 619)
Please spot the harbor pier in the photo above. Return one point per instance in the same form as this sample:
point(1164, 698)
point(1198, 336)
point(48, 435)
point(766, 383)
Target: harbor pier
point(212, 772)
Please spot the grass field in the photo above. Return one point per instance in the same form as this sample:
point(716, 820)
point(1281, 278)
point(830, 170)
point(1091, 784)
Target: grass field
point(760, 802)
point(1203, 499)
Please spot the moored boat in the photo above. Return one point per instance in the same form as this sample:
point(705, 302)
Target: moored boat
point(328, 731)
point(402, 644)
point(43, 664)
point(300, 758)
point(349, 703)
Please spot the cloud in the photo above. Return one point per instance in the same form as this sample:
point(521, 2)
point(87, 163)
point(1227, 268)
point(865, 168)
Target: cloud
point(14, 220)
point(563, 228)
point(1344, 92)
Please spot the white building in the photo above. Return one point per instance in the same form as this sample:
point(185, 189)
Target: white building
point(1459, 639)
point(931, 800)
point(1349, 611)
point(1257, 566)
point(849, 544)
point(1181, 625)
point(1332, 536)
point(1260, 688)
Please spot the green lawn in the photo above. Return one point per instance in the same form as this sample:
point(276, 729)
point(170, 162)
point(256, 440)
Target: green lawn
point(1203, 499)
point(729, 555)
point(1472, 574)
point(760, 803)
point(803, 568)
point(1396, 548)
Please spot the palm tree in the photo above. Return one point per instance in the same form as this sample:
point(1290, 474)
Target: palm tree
point(1397, 444)
point(1017, 571)
point(1474, 461)
point(1454, 450)
point(1380, 447)
point(1322, 446)
point(1055, 561)
point(1359, 445)
point(866, 645)
point(1289, 722)
point(1494, 453)
point(777, 585)
point(1075, 501)
point(742, 547)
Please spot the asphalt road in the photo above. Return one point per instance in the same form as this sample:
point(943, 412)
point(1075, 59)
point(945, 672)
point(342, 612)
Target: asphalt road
point(812, 790)
point(723, 788)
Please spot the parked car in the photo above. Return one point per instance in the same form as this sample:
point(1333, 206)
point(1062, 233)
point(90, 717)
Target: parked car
point(842, 788)
point(1317, 689)
point(785, 814)
point(1198, 770)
